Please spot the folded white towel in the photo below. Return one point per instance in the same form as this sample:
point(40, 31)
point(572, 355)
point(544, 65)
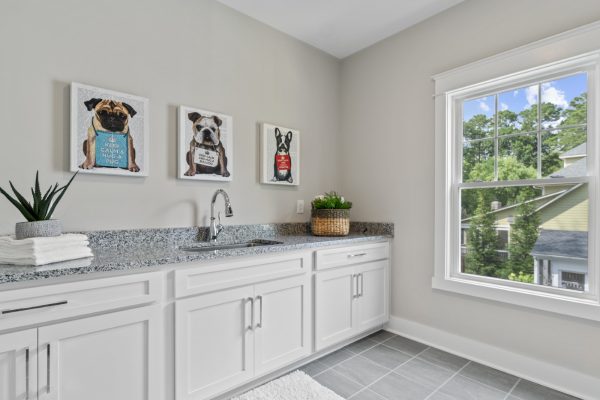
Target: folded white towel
point(42, 242)
point(18, 252)
point(48, 257)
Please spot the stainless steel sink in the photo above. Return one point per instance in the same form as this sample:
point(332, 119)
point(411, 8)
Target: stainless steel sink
point(230, 246)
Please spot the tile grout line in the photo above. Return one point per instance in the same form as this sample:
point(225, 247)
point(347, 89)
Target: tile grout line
point(512, 388)
point(447, 380)
point(392, 372)
point(354, 356)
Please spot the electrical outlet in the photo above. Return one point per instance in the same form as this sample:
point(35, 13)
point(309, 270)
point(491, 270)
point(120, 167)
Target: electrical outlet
point(300, 207)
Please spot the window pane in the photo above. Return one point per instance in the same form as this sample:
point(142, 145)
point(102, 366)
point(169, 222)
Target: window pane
point(564, 101)
point(564, 153)
point(478, 118)
point(527, 234)
point(478, 160)
point(517, 157)
point(518, 110)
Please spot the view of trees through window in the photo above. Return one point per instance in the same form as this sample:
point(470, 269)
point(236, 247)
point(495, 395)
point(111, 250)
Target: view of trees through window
point(538, 132)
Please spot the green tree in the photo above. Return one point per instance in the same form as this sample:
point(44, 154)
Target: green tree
point(523, 234)
point(482, 240)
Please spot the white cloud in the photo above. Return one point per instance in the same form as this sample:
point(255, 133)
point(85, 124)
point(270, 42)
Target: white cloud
point(550, 94)
point(515, 93)
point(532, 95)
point(484, 107)
point(503, 106)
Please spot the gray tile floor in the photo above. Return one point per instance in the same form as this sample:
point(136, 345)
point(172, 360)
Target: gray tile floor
point(385, 366)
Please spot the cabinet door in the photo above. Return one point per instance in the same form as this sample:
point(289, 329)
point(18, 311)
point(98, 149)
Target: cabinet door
point(282, 332)
point(112, 356)
point(373, 289)
point(335, 310)
point(18, 365)
point(213, 342)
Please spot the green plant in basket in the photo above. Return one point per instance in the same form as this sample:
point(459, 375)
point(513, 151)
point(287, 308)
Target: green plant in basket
point(331, 201)
point(42, 207)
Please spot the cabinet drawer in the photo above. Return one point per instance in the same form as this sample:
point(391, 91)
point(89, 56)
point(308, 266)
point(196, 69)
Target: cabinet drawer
point(330, 258)
point(37, 305)
point(224, 275)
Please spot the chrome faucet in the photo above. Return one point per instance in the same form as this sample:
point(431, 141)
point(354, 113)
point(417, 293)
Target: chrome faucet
point(215, 228)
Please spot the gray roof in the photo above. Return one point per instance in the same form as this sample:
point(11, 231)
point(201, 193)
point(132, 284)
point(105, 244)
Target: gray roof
point(580, 150)
point(569, 244)
point(578, 168)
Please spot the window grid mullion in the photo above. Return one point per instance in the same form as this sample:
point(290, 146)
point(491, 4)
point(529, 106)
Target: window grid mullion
point(496, 137)
point(539, 132)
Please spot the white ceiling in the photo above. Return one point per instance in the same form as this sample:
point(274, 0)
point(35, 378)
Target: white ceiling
point(340, 27)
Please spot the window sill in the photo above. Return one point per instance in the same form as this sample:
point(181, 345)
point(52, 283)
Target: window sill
point(550, 302)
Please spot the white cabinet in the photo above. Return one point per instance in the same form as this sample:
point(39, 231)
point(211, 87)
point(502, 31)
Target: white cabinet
point(226, 338)
point(282, 332)
point(350, 300)
point(214, 342)
point(18, 365)
point(112, 356)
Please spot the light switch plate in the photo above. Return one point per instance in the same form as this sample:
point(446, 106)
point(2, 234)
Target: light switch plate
point(300, 207)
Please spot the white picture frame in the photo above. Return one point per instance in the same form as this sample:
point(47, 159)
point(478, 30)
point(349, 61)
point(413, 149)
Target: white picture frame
point(274, 162)
point(135, 135)
point(210, 166)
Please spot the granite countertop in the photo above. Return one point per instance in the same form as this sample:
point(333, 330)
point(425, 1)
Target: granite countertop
point(144, 249)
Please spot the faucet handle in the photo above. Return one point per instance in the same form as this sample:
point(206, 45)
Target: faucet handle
point(219, 226)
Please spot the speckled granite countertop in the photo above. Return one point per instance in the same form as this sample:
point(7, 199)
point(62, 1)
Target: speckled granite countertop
point(140, 249)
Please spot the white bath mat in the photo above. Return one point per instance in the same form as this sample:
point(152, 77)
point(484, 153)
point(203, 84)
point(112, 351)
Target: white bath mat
point(294, 386)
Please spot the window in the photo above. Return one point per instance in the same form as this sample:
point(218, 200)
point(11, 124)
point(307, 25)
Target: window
point(515, 176)
point(515, 142)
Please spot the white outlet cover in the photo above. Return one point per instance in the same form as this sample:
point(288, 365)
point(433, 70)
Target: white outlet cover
point(300, 207)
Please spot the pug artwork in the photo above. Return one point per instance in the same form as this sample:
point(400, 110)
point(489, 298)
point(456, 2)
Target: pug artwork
point(205, 145)
point(280, 155)
point(109, 132)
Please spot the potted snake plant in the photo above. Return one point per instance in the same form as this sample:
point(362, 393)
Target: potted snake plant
point(330, 215)
point(38, 213)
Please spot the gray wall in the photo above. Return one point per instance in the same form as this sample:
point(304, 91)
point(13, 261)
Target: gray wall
point(387, 119)
point(193, 52)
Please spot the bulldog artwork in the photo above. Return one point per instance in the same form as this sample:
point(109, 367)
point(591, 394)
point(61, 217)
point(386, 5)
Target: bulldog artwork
point(280, 155)
point(205, 145)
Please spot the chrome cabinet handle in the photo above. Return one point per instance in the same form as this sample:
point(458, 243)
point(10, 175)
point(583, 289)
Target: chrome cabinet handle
point(15, 310)
point(251, 300)
point(27, 373)
point(362, 285)
point(48, 368)
point(356, 255)
point(260, 324)
point(354, 286)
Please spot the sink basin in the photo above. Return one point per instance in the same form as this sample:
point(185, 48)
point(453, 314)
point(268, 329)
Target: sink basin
point(230, 246)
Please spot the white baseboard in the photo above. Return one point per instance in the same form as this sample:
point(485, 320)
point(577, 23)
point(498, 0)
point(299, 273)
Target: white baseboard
point(550, 375)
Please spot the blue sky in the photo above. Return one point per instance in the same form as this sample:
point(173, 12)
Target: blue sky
point(559, 92)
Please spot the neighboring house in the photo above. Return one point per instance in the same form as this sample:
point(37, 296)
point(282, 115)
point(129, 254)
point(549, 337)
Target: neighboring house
point(561, 251)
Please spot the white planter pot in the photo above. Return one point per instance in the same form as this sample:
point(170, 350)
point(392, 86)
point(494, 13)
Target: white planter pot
point(25, 230)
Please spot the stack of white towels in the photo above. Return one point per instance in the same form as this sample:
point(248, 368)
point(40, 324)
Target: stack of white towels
point(43, 250)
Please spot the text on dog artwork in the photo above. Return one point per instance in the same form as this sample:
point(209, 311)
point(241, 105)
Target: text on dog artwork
point(111, 150)
point(284, 163)
point(207, 158)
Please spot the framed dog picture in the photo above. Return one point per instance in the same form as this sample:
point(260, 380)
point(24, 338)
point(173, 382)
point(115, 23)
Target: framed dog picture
point(205, 145)
point(109, 132)
point(280, 155)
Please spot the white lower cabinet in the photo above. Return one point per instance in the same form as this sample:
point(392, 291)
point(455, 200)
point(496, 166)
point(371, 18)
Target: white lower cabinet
point(350, 300)
point(226, 338)
point(18, 365)
point(112, 356)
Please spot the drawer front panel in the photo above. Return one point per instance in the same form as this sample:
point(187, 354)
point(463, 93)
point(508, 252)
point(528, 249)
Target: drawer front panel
point(37, 305)
point(209, 278)
point(331, 258)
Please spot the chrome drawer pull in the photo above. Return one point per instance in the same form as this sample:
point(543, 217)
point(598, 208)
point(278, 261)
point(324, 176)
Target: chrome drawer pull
point(260, 324)
point(15, 310)
point(27, 373)
point(251, 300)
point(356, 255)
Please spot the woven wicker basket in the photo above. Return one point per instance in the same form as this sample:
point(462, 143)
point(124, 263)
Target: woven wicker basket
point(330, 222)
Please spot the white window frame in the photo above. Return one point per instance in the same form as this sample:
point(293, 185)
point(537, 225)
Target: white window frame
point(561, 55)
